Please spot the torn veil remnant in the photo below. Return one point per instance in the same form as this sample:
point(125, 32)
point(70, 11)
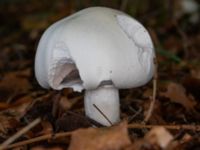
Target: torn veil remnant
point(97, 49)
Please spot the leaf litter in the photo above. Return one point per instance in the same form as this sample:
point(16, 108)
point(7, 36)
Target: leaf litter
point(174, 122)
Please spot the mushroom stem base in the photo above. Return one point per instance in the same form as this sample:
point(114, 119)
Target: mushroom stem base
point(102, 105)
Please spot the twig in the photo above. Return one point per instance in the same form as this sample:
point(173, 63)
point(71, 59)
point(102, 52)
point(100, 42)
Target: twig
point(136, 114)
point(38, 139)
point(130, 126)
point(19, 133)
point(172, 127)
point(103, 114)
point(56, 100)
point(149, 113)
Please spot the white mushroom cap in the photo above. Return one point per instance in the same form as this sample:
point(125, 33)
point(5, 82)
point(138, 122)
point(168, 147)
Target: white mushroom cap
point(93, 46)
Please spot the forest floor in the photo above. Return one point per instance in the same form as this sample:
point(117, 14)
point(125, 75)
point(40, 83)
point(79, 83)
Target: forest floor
point(38, 119)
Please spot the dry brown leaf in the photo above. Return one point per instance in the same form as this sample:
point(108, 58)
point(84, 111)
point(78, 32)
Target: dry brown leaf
point(186, 138)
point(159, 136)
point(9, 118)
point(43, 148)
point(113, 138)
point(156, 139)
point(7, 123)
point(195, 73)
point(177, 93)
point(192, 85)
point(14, 83)
point(46, 128)
point(4, 105)
point(148, 93)
point(180, 143)
point(21, 106)
point(65, 104)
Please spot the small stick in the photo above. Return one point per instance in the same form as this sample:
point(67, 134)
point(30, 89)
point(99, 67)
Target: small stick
point(172, 127)
point(103, 114)
point(56, 100)
point(149, 113)
point(38, 139)
point(136, 114)
point(130, 126)
point(19, 133)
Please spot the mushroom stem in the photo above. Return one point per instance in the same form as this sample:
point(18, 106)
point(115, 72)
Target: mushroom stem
point(102, 105)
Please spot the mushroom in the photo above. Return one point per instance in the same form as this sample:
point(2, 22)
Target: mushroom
point(100, 50)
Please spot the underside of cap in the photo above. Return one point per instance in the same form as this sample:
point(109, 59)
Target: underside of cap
point(62, 69)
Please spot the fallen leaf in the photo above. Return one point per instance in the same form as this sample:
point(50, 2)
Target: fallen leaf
point(177, 93)
point(113, 138)
point(65, 104)
point(20, 107)
point(46, 128)
point(4, 105)
point(186, 138)
point(7, 124)
point(192, 85)
point(148, 93)
point(14, 83)
point(182, 143)
point(156, 139)
point(159, 136)
point(195, 73)
point(44, 148)
point(10, 117)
